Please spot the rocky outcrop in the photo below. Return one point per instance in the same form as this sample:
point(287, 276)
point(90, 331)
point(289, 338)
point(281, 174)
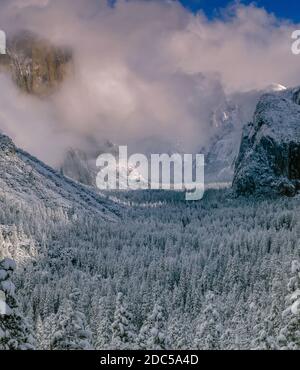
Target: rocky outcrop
point(7, 146)
point(35, 64)
point(269, 157)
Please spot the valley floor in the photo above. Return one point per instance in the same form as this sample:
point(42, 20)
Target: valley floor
point(171, 274)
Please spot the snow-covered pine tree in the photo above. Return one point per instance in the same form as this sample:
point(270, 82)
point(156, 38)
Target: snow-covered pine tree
point(72, 332)
point(209, 328)
point(123, 333)
point(269, 327)
point(289, 337)
point(103, 325)
point(45, 331)
point(178, 333)
point(152, 334)
point(227, 340)
point(40, 334)
point(15, 332)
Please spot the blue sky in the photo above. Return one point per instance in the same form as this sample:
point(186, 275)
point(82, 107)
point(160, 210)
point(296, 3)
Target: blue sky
point(289, 9)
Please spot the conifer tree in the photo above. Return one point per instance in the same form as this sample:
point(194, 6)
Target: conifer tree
point(122, 327)
point(46, 331)
point(72, 332)
point(103, 325)
point(209, 329)
point(15, 332)
point(268, 327)
point(152, 334)
point(289, 337)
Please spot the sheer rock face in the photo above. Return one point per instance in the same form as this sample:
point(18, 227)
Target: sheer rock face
point(36, 66)
point(269, 157)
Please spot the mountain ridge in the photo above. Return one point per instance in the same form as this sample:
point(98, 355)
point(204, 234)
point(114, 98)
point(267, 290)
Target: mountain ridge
point(29, 179)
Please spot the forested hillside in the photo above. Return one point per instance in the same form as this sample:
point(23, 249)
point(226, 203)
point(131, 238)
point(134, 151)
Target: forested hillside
point(89, 267)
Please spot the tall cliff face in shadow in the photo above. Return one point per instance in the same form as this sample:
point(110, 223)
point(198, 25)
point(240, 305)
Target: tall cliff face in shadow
point(269, 158)
point(36, 66)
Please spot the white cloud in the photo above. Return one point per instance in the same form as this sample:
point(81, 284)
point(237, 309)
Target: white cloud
point(150, 68)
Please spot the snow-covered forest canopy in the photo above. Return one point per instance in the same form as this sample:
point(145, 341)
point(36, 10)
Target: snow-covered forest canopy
point(82, 268)
point(171, 274)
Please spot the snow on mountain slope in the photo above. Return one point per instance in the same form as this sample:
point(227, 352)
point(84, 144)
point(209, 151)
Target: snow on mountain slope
point(25, 178)
point(16, 244)
point(269, 158)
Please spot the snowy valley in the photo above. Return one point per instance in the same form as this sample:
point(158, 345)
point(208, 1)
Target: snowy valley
point(89, 269)
point(147, 270)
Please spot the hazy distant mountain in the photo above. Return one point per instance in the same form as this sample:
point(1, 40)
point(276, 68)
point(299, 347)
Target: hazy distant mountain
point(37, 66)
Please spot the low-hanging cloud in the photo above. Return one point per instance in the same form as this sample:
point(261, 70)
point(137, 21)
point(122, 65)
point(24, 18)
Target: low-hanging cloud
point(142, 69)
